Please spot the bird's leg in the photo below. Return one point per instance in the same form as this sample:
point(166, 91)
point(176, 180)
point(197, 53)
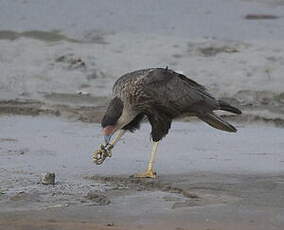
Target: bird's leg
point(149, 172)
point(110, 146)
point(105, 150)
point(121, 132)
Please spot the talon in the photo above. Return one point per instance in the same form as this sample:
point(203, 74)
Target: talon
point(98, 157)
point(101, 154)
point(147, 174)
point(110, 147)
point(108, 150)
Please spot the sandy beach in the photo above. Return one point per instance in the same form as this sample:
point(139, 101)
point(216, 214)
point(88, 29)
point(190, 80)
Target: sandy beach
point(59, 60)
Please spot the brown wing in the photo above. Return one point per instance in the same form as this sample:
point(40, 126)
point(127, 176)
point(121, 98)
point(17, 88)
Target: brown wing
point(127, 82)
point(174, 93)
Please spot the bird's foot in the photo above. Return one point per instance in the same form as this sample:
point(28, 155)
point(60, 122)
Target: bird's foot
point(101, 154)
point(148, 174)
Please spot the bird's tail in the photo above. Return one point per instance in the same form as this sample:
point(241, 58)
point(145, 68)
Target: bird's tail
point(226, 107)
point(217, 122)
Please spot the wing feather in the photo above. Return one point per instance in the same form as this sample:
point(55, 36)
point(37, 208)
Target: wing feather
point(175, 93)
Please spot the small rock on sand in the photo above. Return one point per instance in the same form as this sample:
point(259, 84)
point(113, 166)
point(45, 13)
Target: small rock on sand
point(48, 178)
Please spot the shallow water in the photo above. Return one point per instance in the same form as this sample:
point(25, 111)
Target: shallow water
point(57, 144)
point(219, 19)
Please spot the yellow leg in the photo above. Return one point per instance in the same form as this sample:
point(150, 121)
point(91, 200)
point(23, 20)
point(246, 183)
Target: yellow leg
point(149, 172)
point(121, 132)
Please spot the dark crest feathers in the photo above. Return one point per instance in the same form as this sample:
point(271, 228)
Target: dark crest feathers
point(113, 112)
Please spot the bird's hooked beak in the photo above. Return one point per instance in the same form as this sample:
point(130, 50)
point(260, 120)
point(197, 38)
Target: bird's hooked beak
point(107, 132)
point(107, 138)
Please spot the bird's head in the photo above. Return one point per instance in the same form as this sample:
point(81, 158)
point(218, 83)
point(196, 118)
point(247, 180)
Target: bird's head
point(108, 132)
point(114, 119)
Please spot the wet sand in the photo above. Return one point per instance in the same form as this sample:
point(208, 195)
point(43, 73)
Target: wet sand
point(234, 181)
